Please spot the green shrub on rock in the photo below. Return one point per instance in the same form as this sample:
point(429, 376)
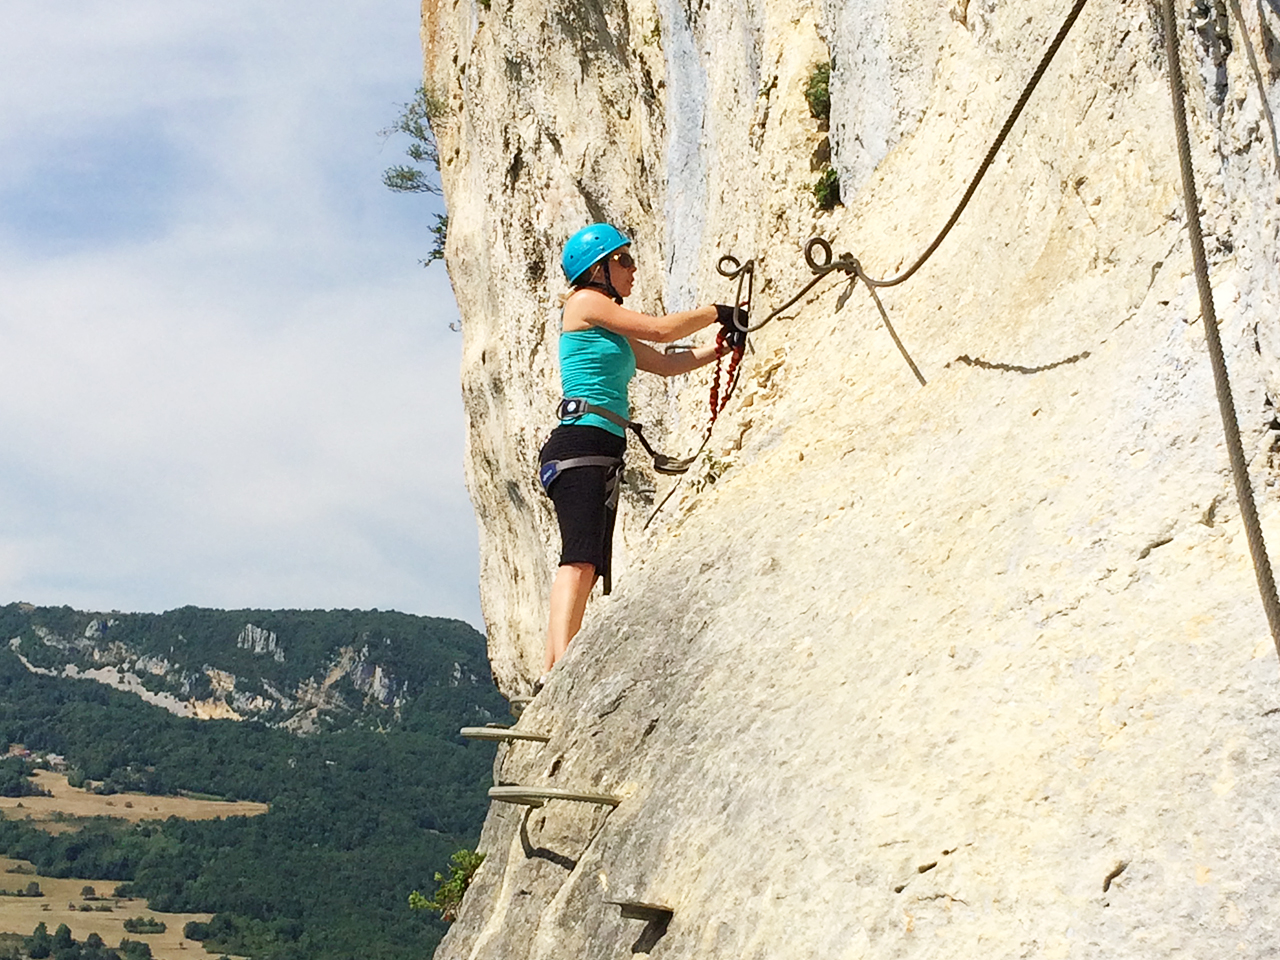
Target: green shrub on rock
point(827, 190)
point(818, 92)
point(463, 865)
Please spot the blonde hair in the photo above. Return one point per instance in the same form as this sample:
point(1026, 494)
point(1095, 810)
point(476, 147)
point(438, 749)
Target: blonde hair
point(583, 282)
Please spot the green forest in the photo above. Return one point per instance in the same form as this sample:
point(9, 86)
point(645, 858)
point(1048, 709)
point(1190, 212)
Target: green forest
point(361, 813)
point(420, 653)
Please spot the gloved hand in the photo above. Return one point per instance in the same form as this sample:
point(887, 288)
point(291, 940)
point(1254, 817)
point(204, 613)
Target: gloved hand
point(724, 316)
point(732, 336)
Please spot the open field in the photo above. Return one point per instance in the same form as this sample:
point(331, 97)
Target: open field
point(21, 914)
point(73, 803)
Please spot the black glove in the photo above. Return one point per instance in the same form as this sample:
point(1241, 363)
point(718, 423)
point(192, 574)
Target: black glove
point(724, 316)
point(731, 336)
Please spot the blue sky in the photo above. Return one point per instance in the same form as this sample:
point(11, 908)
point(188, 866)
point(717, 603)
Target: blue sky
point(225, 379)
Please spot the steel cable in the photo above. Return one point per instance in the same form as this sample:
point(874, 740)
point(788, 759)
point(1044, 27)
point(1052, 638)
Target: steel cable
point(1209, 317)
point(996, 144)
point(731, 268)
point(851, 266)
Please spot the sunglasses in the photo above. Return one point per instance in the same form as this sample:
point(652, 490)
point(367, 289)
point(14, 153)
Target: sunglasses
point(623, 259)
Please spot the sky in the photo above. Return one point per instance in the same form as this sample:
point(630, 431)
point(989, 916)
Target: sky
point(225, 378)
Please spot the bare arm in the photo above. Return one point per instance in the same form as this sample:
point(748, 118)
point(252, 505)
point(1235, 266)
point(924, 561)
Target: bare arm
point(590, 308)
point(671, 364)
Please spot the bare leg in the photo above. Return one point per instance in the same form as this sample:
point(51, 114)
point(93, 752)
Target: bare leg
point(569, 595)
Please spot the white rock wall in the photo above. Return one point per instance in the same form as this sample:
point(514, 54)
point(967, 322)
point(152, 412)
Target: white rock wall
point(883, 54)
point(923, 667)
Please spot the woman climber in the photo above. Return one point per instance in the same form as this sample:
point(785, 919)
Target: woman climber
point(581, 463)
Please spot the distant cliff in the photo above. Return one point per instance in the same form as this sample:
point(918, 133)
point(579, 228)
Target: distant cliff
point(299, 669)
point(969, 669)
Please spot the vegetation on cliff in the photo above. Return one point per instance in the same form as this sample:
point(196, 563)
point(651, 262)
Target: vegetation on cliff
point(423, 175)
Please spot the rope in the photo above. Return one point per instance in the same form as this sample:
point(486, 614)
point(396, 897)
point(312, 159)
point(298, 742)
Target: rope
point(849, 265)
point(894, 334)
point(735, 358)
point(729, 267)
point(745, 274)
point(706, 439)
point(1226, 406)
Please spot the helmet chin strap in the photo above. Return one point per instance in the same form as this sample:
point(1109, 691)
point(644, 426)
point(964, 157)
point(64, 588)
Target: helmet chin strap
point(608, 284)
point(607, 287)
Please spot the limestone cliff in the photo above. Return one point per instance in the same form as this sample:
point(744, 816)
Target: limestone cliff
point(973, 669)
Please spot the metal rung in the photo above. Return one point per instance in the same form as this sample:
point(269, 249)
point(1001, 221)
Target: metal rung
point(518, 704)
point(649, 912)
point(500, 733)
point(537, 796)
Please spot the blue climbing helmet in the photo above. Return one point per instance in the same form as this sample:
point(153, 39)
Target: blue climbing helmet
point(588, 247)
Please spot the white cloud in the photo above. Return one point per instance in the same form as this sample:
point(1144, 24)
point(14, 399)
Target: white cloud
point(224, 378)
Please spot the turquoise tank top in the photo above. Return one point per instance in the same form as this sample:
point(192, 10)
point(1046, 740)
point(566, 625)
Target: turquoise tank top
point(597, 365)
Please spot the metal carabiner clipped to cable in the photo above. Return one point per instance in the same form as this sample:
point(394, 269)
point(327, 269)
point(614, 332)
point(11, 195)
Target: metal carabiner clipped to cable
point(730, 268)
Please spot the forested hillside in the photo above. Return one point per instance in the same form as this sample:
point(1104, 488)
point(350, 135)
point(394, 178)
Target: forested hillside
point(363, 810)
point(304, 667)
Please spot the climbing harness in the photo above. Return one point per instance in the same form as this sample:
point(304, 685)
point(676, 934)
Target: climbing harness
point(735, 351)
point(736, 340)
point(552, 469)
point(571, 408)
point(1208, 316)
point(548, 472)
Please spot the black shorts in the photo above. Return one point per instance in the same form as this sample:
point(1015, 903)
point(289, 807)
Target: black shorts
point(586, 520)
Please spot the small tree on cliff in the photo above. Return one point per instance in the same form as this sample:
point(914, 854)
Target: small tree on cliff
point(462, 867)
point(423, 175)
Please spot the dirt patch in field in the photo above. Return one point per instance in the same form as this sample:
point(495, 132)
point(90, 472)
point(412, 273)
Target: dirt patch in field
point(70, 802)
point(62, 899)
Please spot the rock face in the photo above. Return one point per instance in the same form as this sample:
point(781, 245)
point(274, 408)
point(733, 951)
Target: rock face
point(975, 668)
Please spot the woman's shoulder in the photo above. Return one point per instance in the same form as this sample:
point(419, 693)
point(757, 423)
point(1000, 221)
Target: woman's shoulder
point(581, 310)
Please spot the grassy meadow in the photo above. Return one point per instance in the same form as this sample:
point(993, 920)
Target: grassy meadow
point(67, 806)
point(63, 899)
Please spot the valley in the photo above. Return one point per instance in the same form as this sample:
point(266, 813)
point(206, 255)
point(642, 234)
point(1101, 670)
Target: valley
point(295, 829)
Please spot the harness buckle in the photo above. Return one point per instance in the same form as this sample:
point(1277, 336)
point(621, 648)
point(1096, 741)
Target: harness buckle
point(548, 472)
point(571, 408)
